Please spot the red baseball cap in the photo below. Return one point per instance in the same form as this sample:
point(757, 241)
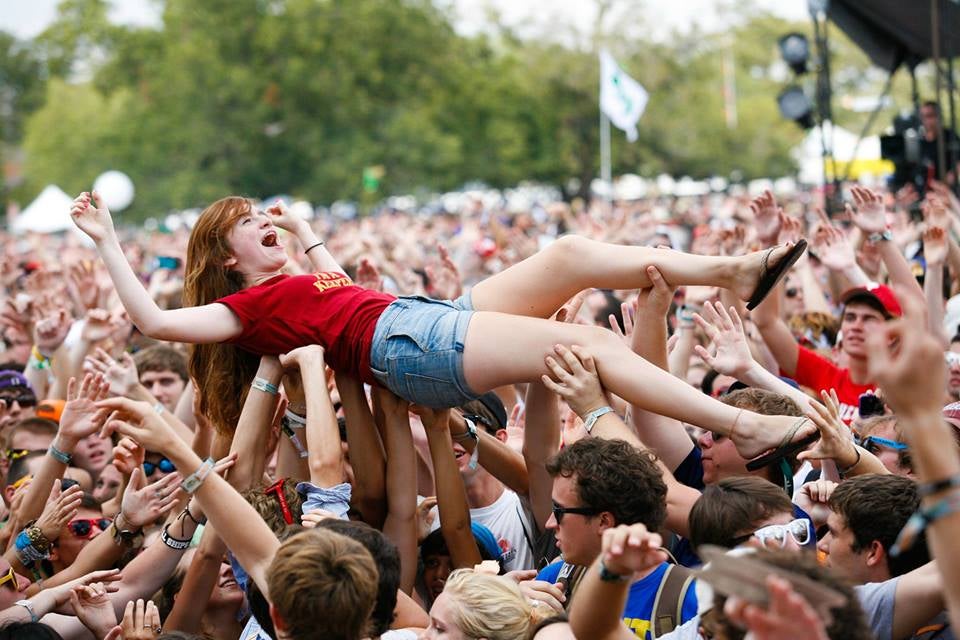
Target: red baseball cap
point(880, 294)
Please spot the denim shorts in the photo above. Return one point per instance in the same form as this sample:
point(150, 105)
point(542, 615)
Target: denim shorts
point(417, 350)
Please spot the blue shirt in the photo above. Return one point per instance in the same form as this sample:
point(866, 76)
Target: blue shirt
point(639, 610)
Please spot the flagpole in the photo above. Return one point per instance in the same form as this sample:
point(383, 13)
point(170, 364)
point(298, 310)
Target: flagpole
point(605, 154)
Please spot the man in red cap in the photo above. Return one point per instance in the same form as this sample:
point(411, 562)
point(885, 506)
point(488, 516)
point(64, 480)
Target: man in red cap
point(864, 309)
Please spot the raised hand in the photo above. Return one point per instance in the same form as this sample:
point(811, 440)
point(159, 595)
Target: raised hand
point(906, 360)
point(574, 378)
point(140, 622)
point(98, 325)
point(145, 503)
point(870, 213)
point(128, 456)
point(935, 246)
point(51, 330)
point(568, 312)
point(83, 281)
point(833, 249)
point(935, 212)
point(81, 414)
point(656, 298)
point(731, 355)
point(425, 517)
point(368, 276)
point(284, 218)
point(539, 593)
point(139, 421)
point(791, 230)
point(92, 605)
point(121, 375)
point(444, 277)
point(95, 221)
point(835, 441)
point(766, 218)
point(629, 549)
point(60, 509)
point(300, 357)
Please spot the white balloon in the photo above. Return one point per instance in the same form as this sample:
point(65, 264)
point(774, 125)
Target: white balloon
point(116, 189)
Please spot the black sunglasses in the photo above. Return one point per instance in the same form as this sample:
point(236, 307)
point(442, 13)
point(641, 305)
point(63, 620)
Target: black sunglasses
point(149, 468)
point(559, 512)
point(25, 400)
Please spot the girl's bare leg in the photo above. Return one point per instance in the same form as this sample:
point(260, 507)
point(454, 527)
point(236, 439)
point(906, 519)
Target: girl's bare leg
point(539, 285)
point(502, 349)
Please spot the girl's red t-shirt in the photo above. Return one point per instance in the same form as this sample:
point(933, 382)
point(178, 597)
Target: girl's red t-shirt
point(287, 312)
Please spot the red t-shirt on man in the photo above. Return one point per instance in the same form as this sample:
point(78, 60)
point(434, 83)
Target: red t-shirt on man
point(287, 312)
point(818, 373)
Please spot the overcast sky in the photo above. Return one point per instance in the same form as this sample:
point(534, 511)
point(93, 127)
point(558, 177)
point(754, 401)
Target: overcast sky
point(26, 18)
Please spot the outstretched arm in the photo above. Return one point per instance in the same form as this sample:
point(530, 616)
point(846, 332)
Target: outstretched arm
point(204, 324)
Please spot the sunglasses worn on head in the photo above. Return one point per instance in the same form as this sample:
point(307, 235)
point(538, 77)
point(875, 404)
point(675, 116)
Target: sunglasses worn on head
point(83, 527)
point(149, 468)
point(559, 512)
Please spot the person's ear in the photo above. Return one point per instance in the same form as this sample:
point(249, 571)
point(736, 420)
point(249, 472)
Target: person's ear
point(875, 554)
point(502, 435)
point(230, 262)
point(54, 552)
point(8, 492)
point(607, 521)
point(278, 624)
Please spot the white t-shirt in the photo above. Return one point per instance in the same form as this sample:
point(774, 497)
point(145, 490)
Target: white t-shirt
point(510, 520)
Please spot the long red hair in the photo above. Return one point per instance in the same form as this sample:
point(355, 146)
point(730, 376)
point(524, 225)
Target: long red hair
point(222, 372)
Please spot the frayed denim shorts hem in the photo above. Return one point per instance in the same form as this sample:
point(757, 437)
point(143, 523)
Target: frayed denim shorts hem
point(417, 350)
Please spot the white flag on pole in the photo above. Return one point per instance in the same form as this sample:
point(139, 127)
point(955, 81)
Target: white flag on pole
point(622, 98)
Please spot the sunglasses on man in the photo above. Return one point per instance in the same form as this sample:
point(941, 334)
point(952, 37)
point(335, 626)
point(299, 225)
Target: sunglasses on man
point(559, 512)
point(24, 399)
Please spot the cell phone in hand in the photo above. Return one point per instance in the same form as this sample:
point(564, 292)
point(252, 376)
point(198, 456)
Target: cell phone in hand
point(167, 262)
point(66, 483)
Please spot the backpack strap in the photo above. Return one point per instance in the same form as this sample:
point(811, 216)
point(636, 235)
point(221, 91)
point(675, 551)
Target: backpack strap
point(668, 603)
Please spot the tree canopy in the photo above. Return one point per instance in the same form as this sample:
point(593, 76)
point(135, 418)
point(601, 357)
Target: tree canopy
point(259, 97)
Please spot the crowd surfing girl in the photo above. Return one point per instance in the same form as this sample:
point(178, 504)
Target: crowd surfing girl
point(435, 353)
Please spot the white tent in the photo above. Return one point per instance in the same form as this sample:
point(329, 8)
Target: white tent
point(48, 213)
point(866, 162)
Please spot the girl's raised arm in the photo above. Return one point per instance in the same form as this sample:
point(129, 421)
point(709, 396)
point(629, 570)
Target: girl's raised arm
point(198, 325)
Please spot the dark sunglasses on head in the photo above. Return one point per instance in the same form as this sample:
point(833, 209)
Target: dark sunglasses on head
point(25, 399)
point(149, 468)
point(483, 421)
point(83, 527)
point(559, 512)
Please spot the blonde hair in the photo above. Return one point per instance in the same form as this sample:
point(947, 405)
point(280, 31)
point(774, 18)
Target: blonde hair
point(486, 606)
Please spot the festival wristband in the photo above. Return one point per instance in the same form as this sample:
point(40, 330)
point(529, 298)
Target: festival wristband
point(296, 421)
point(921, 519)
point(265, 386)
point(287, 429)
point(60, 456)
point(928, 489)
point(608, 576)
point(174, 543)
point(192, 482)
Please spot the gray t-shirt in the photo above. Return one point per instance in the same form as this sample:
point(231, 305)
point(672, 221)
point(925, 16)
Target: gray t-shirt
point(877, 599)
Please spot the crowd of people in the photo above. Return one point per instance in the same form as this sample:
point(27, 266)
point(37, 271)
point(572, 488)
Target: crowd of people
point(672, 418)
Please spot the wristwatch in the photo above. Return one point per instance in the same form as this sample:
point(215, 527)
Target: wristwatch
point(608, 576)
point(884, 236)
point(127, 537)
